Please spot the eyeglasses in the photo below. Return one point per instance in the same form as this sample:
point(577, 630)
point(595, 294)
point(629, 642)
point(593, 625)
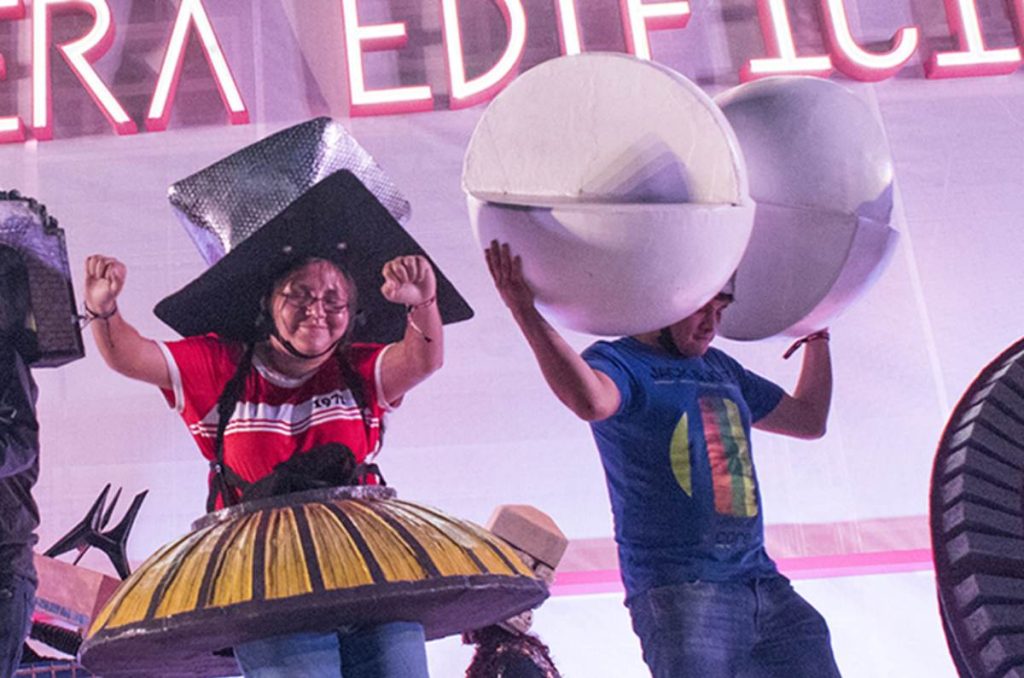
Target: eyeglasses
point(305, 301)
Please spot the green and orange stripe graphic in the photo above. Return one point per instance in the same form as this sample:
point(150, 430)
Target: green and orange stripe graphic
point(732, 473)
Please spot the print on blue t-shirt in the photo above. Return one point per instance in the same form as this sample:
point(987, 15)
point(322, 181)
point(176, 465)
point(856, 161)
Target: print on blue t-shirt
point(678, 464)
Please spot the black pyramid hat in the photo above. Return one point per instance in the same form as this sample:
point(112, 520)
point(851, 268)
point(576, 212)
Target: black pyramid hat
point(338, 219)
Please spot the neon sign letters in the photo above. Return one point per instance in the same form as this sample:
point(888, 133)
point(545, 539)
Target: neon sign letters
point(80, 54)
point(971, 57)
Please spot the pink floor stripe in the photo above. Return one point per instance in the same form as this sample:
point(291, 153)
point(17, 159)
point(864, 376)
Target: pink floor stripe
point(589, 582)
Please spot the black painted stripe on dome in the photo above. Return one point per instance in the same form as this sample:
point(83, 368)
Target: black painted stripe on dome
point(376, 573)
point(259, 559)
point(308, 549)
point(184, 552)
point(423, 556)
point(216, 563)
point(486, 538)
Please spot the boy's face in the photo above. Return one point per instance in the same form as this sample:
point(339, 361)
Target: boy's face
point(693, 334)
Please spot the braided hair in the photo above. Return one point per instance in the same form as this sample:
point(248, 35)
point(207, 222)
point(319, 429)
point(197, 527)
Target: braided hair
point(226, 402)
point(235, 386)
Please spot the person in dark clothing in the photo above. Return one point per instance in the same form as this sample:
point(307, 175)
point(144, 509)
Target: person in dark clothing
point(19, 460)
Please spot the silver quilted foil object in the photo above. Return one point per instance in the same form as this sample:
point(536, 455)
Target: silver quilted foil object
point(228, 201)
point(27, 228)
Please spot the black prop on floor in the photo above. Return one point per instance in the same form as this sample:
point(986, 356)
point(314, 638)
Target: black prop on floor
point(88, 532)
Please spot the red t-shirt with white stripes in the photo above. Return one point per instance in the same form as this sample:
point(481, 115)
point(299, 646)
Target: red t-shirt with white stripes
point(277, 416)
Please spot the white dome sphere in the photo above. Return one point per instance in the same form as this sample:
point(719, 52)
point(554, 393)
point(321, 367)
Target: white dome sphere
point(622, 268)
point(620, 184)
point(822, 177)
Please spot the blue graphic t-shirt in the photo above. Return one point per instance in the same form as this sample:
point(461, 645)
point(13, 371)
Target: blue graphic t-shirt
point(678, 464)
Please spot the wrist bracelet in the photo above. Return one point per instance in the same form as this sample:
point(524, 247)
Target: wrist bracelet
point(423, 304)
point(88, 315)
point(815, 336)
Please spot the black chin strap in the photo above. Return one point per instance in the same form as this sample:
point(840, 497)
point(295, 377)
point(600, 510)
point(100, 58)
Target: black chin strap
point(296, 353)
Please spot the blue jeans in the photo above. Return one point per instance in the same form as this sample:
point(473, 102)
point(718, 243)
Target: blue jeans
point(395, 650)
point(17, 600)
point(757, 629)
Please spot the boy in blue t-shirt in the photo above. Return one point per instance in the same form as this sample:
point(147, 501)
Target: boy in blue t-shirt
point(672, 418)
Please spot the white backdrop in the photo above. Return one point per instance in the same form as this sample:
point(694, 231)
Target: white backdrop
point(485, 430)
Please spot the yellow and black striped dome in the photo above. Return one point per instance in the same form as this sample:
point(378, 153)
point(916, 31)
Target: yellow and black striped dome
point(311, 561)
